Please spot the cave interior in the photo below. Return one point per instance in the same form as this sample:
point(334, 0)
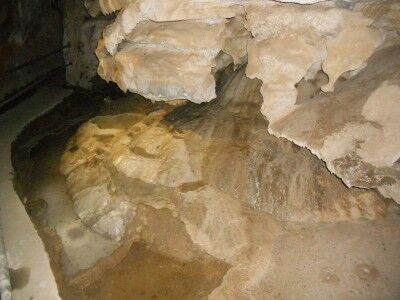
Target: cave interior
point(213, 149)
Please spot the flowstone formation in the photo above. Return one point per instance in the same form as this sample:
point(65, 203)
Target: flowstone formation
point(204, 180)
point(355, 130)
point(329, 69)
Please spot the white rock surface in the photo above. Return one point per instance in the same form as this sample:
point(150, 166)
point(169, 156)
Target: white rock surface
point(355, 129)
point(154, 51)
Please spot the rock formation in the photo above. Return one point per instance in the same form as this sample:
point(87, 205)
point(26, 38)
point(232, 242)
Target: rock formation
point(329, 69)
point(203, 180)
point(323, 76)
point(355, 129)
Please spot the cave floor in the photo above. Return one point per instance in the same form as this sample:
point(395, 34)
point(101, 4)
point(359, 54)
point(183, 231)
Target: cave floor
point(337, 261)
point(30, 271)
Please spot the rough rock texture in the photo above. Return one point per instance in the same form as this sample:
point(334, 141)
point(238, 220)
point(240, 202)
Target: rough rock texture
point(81, 33)
point(287, 42)
point(292, 42)
point(168, 50)
point(165, 174)
point(29, 29)
point(173, 60)
point(355, 129)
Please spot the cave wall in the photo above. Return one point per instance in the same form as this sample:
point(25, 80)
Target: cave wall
point(83, 27)
point(31, 44)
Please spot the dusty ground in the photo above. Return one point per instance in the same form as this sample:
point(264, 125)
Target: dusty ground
point(143, 274)
point(337, 261)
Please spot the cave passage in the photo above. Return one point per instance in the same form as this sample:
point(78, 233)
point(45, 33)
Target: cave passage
point(212, 150)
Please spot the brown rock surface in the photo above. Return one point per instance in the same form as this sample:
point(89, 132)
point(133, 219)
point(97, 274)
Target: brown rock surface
point(171, 50)
point(176, 173)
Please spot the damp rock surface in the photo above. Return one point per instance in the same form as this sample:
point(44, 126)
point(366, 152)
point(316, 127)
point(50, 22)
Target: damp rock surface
point(171, 50)
point(207, 181)
point(208, 232)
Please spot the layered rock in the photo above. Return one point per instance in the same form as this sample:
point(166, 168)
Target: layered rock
point(173, 60)
point(365, 151)
point(292, 42)
point(355, 129)
point(204, 180)
point(168, 50)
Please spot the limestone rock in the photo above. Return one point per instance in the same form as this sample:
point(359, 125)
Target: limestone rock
point(339, 42)
point(155, 60)
point(289, 41)
point(198, 148)
point(204, 180)
point(133, 12)
point(144, 52)
point(355, 129)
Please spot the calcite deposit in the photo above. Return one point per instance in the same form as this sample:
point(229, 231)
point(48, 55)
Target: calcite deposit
point(319, 63)
point(355, 129)
point(192, 180)
point(208, 179)
point(189, 50)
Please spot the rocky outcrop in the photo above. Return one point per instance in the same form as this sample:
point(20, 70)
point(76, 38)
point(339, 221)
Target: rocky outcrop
point(355, 129)
point(172, 60)
point(292, 42)
point(168, 50)
point(204, 180)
